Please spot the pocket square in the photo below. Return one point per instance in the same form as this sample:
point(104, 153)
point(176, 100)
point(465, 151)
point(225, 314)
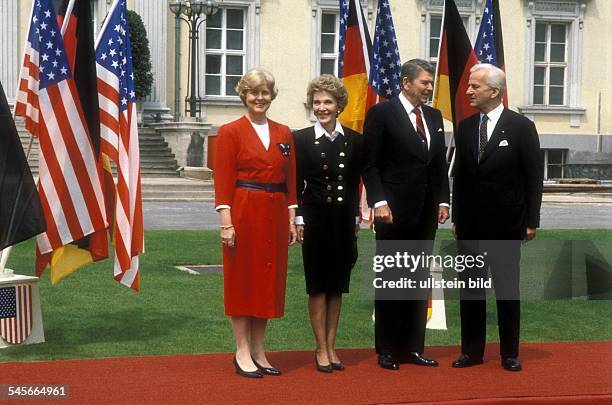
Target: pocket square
point(503, 143)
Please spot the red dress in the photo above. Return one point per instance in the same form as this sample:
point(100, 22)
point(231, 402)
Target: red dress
point(255, 270)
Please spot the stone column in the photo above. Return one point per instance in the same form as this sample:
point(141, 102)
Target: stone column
point(154, 14)
point(9, 54)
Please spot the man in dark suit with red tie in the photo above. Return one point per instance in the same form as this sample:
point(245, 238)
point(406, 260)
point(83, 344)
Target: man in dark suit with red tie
point(407, 185)
point(497, 193)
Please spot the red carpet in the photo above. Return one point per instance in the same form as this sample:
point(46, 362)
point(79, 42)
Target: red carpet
point(554, 373)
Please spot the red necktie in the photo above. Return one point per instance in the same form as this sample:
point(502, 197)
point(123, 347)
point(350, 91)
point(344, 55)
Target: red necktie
point(420, 126)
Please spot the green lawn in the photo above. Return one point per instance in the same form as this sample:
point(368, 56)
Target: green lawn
point(90, 315)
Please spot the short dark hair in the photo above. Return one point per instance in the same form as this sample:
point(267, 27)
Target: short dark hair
point(413, 68)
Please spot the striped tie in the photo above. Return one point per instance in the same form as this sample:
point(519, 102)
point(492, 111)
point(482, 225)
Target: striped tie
point(482, 136)
point(420, 127)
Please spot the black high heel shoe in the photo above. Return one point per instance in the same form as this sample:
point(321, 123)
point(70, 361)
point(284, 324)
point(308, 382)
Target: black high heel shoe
point(266, 370)
point(337, 366)
point(323, 369)
point(247, 374)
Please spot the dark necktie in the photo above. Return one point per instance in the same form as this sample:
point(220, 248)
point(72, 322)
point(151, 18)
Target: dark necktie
point(420, 127)
point(482, 136)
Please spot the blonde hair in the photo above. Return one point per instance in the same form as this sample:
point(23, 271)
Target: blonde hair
point(253, 79)
point(330, 84)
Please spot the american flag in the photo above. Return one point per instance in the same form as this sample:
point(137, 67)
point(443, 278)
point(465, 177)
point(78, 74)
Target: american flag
point(69, 182)
point(489, 47)
point(15, 313)
point(386, 63)
point(485, 42)
point(344, 12)
point(119, 135)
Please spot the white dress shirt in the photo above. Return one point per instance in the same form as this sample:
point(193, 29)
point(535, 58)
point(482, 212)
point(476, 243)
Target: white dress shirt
point(493, 117)
point(410, 110)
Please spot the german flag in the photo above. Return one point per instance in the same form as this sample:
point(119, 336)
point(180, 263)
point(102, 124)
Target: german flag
point(354, 65)
point(75, 20)
point(455, 59)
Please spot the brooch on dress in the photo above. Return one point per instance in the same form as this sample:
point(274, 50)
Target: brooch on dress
point(285, 148)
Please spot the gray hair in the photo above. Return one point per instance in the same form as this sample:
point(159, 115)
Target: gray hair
point(495, 77)
point(413, 68)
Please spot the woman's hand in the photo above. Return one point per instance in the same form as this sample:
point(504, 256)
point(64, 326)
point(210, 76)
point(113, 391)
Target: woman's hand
point(228, 237)
point(300, 233)
point(228, 234)
point(293, 234)
point(357, 228)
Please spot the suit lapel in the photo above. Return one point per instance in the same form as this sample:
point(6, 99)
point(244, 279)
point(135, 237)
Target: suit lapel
point(407, 130)
point(473, 128)
point(496, 136)
point(432, 127)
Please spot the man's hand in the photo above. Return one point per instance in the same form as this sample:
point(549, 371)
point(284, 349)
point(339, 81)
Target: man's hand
point(300, 233)
point(454, 230)
point(530, 234)
point(442, 214)
point(357, 227)
point(383, 214)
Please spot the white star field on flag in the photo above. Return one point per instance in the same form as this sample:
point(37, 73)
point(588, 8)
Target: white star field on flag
point(485, 46)
point(50, 47)
point(386, 63)
point(111, 53)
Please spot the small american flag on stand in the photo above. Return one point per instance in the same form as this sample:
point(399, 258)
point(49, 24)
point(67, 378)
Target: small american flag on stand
point(119, 139)
point(16, 313)
point(386, 63)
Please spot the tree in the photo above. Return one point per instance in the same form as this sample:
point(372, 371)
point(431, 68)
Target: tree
point(141, 56)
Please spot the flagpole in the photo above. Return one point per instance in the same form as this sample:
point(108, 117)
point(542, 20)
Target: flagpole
point(452, 139)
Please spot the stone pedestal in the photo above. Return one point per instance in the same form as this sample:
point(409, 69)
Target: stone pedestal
point(37, 334)
point(188, 141)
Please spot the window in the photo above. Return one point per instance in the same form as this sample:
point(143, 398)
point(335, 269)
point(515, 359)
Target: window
point(554, 58)
point(325, 34)
point(328, 43)
point(554, 163)
point(550, 64)
point(435, 31)
point(431, 16)
point(225, 51)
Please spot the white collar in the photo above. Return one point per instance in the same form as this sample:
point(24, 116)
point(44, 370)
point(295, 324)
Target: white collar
point(320, 131)
point(494, 114)
point(407, 104)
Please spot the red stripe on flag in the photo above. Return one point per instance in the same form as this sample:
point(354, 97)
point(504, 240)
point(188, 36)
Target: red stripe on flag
point(76, 158)
point(52, 232)
point(61, 189)
point(353, 55)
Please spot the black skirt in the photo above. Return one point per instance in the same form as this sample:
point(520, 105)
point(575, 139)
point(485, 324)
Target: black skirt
point(329, 249)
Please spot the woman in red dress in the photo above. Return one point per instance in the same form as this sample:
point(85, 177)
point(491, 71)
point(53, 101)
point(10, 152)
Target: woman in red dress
point(255, 197)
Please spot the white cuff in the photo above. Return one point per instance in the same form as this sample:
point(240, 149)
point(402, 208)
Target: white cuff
point(380, 203)
point(222, 206)
point(444, 205)
point(293, 206)
point(299, 220)
point(357, 220)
